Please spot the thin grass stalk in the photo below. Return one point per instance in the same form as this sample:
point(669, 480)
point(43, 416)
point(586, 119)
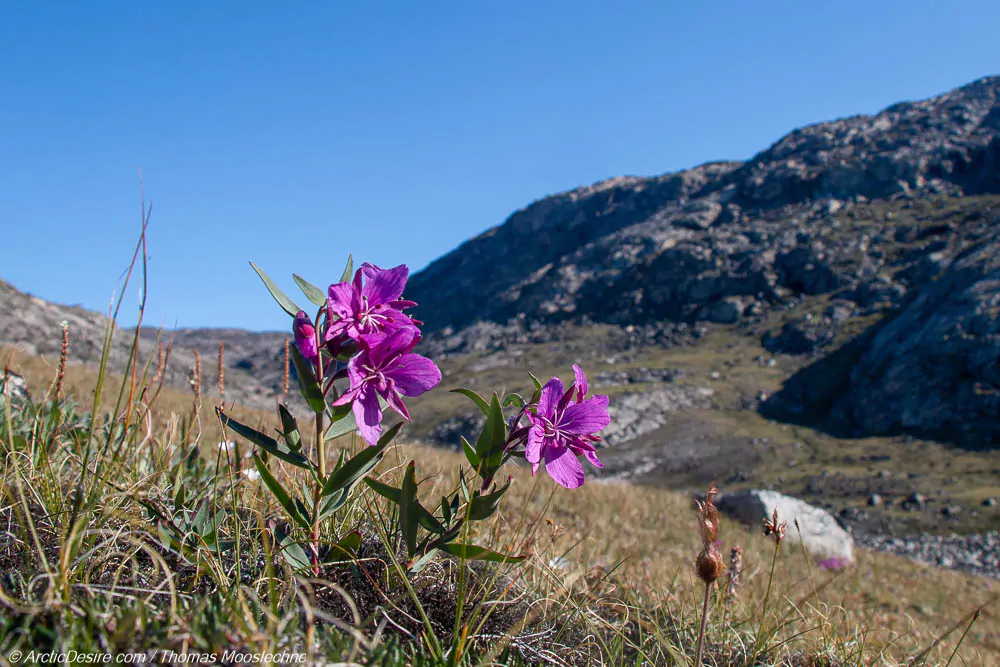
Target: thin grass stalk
point(704, 623)
point(972, 621)
point(767, 597)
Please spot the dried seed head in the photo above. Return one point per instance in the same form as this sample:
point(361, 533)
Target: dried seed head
point(708, 517)
point(222, 371)
point(63, 355)
point(735, 572)
point(773, 527)
point(284, 378)
point(709, 564)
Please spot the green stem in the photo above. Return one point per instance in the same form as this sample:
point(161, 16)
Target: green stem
point(767, 597)
point(320, 452)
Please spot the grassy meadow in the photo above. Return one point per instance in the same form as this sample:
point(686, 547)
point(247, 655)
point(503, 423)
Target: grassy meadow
point(88, 565)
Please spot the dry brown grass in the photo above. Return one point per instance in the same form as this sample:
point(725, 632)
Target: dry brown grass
point(622, 557)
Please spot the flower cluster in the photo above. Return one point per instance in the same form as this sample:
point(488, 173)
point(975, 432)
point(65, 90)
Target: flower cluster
point(365, 318)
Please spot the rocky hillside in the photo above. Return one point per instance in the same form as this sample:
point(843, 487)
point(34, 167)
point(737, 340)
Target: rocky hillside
point(823, 213)
point(254, 361)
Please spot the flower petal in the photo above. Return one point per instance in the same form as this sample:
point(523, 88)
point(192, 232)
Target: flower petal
point(563, 466)
point(386, 285)
point(368, 417)
point(551, 393)
point(592, 457)
point(581, 383)
point(383, 347)
point(342, 300)
point(413, 374)
point(585, 418)
point(395, 402)
point(533, 448)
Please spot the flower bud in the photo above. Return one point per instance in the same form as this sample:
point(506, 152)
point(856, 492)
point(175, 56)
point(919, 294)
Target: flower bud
point(709, 564)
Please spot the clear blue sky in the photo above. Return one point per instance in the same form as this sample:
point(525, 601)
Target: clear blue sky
point(293, 133)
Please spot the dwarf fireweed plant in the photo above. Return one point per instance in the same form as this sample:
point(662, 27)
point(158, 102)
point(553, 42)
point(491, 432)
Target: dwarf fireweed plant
point(356, 367)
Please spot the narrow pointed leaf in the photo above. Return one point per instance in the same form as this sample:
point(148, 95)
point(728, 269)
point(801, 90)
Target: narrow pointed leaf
point(286, 304)
point(446, 509)
point(494, 430)
point(280, 494)
point(312, 292)
point(515, 400)
point(470, 452)
point(289, 429)
point(294, 554)
point(424, 517)
point(484, 506)
point(311, 391)
point(422, 562)
point(408, 509)
point(265, 442)
point(480, 402)
point(357, 467)
point(474, 552)
point(348, 270)
point(345, 548)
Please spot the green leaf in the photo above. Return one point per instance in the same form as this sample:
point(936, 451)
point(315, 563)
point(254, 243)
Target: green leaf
point(294, 554)
point(333, 503)
point(515, 400)
point(267, 443)
point(345, 476)
point(474, 552)
point(348, 270)
point(286, 304)
point(483, 507)
point(494, 432)
point(390, 493)
point(423, 561)
point(408, 509)
point(289, 429)
point(344, 425)
point(312, 292)
point(446, 509)
point(480, 402)
point(344, 549)
point(311, 391)
point(280, 494)
point(424, 517)
point(470, 452)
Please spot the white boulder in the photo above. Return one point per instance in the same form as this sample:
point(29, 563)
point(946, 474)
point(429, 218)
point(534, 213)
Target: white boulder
point(822, 536)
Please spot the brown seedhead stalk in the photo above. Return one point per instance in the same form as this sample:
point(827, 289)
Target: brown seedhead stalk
point(709, 564)
point(159, 364)
point(222, 372)
point(284, 377)
point(196, 382)
point(63, 355)
point(735, 572)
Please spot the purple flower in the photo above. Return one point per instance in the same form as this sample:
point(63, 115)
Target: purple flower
point(305, 336)
point(370, 306)
point(560, 430)
point(835, 563)
point(386, 367)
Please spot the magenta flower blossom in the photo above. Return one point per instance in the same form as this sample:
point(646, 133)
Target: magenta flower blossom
point(562, 429)
point(370, 304)
point(386, 367)
point(305, 336)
